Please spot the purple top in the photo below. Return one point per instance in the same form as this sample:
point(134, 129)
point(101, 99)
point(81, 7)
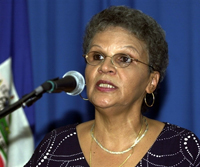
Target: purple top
point(174, 147)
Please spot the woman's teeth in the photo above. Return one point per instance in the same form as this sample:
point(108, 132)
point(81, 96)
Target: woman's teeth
point(106, 86)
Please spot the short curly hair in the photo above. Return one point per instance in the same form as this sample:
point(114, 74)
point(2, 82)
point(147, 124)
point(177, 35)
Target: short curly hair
point(142, 26)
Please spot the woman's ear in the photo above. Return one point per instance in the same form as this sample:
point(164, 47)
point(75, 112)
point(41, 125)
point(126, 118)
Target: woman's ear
point(153, 82)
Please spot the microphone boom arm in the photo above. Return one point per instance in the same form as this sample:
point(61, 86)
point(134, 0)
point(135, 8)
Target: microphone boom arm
point(26, 100)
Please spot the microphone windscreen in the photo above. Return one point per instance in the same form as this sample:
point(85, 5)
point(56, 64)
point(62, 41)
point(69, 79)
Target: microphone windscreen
point(80, 82)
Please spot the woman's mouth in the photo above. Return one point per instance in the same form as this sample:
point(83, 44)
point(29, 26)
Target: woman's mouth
point(105, 86)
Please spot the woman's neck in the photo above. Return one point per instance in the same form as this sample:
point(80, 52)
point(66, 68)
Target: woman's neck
point(117, 131)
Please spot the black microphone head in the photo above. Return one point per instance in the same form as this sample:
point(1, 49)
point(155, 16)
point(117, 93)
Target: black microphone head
point(80, 82)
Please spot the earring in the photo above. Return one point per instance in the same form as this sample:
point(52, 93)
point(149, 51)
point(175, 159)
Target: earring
point(83, 97)
point(145, 100)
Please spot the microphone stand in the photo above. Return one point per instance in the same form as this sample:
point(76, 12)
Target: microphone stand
point(28, 99)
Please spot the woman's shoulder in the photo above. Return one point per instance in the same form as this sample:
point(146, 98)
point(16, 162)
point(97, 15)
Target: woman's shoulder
point(58, 133)
point(58, 147)
point(175, 146)
point(177, 142)
point(67, 128)
point(175, 134)
point(172, 131)
point(62, 134)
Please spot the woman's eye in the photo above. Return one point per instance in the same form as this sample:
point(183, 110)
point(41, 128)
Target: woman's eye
point(97, 56)
point(125, 59)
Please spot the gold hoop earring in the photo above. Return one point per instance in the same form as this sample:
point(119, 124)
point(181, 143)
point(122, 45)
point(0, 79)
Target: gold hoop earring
point(83, 97)
point(145, 100)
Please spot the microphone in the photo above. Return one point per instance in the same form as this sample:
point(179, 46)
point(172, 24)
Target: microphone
point(72, 83)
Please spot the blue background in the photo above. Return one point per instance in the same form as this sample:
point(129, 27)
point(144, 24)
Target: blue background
point(56, 31)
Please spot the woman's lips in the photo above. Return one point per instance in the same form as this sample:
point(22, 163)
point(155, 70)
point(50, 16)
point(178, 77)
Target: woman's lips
point(105, 86)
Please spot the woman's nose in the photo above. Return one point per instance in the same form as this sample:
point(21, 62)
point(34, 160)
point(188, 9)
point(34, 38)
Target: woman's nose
point(107, 65)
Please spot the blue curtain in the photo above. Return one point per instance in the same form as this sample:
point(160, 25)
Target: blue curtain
point(56, 30)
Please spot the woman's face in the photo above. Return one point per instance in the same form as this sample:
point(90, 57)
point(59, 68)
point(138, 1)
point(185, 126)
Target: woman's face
point(110, 86)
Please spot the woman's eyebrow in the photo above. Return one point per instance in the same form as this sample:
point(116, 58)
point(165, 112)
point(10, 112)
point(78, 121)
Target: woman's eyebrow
point(94, 45)
point(132, 48)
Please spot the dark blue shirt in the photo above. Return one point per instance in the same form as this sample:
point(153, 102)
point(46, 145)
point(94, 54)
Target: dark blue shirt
point(174, 147)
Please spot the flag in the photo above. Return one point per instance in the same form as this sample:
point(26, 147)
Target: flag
point(17, 128)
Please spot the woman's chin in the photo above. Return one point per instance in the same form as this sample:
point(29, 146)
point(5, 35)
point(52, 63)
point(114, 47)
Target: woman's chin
point(104, 103)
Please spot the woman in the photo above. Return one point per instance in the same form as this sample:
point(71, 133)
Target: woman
point(126, 55)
